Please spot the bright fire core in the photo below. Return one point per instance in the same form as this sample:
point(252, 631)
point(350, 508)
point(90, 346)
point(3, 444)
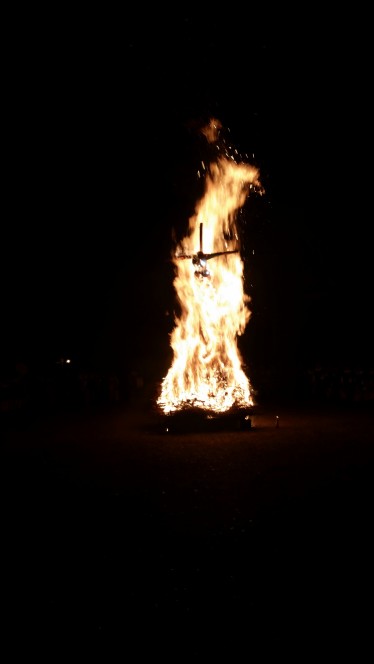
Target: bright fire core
point(206, 371)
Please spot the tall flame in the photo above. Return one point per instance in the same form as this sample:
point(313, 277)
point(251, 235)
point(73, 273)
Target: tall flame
point(206, 370)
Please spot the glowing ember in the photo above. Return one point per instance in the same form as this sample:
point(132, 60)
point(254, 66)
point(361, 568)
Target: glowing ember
point(206, 370)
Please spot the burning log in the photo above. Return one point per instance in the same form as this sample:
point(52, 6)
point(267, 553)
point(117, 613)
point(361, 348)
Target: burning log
point(190, 419)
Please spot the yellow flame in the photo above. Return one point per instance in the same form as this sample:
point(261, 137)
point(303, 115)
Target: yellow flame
point(206, 370)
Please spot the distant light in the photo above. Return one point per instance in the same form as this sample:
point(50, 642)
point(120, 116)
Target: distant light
point(68, 361)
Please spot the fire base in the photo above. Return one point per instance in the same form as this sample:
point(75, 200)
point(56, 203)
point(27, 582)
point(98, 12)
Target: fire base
point(190, 420)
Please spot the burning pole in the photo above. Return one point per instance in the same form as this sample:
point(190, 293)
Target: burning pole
point(206, 372)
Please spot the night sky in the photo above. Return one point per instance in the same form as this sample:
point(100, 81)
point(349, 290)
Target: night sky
point(103, 148)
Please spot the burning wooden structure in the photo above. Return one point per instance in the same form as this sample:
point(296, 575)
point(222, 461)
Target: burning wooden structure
point(206, 386)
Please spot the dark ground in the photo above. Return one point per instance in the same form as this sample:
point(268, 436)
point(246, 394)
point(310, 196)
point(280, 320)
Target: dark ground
point(227, 543)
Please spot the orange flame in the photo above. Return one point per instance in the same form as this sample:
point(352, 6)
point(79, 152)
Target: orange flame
point(206, 370)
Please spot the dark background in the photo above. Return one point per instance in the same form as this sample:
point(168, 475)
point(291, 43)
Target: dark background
point(111, 529)
point(102, 152)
